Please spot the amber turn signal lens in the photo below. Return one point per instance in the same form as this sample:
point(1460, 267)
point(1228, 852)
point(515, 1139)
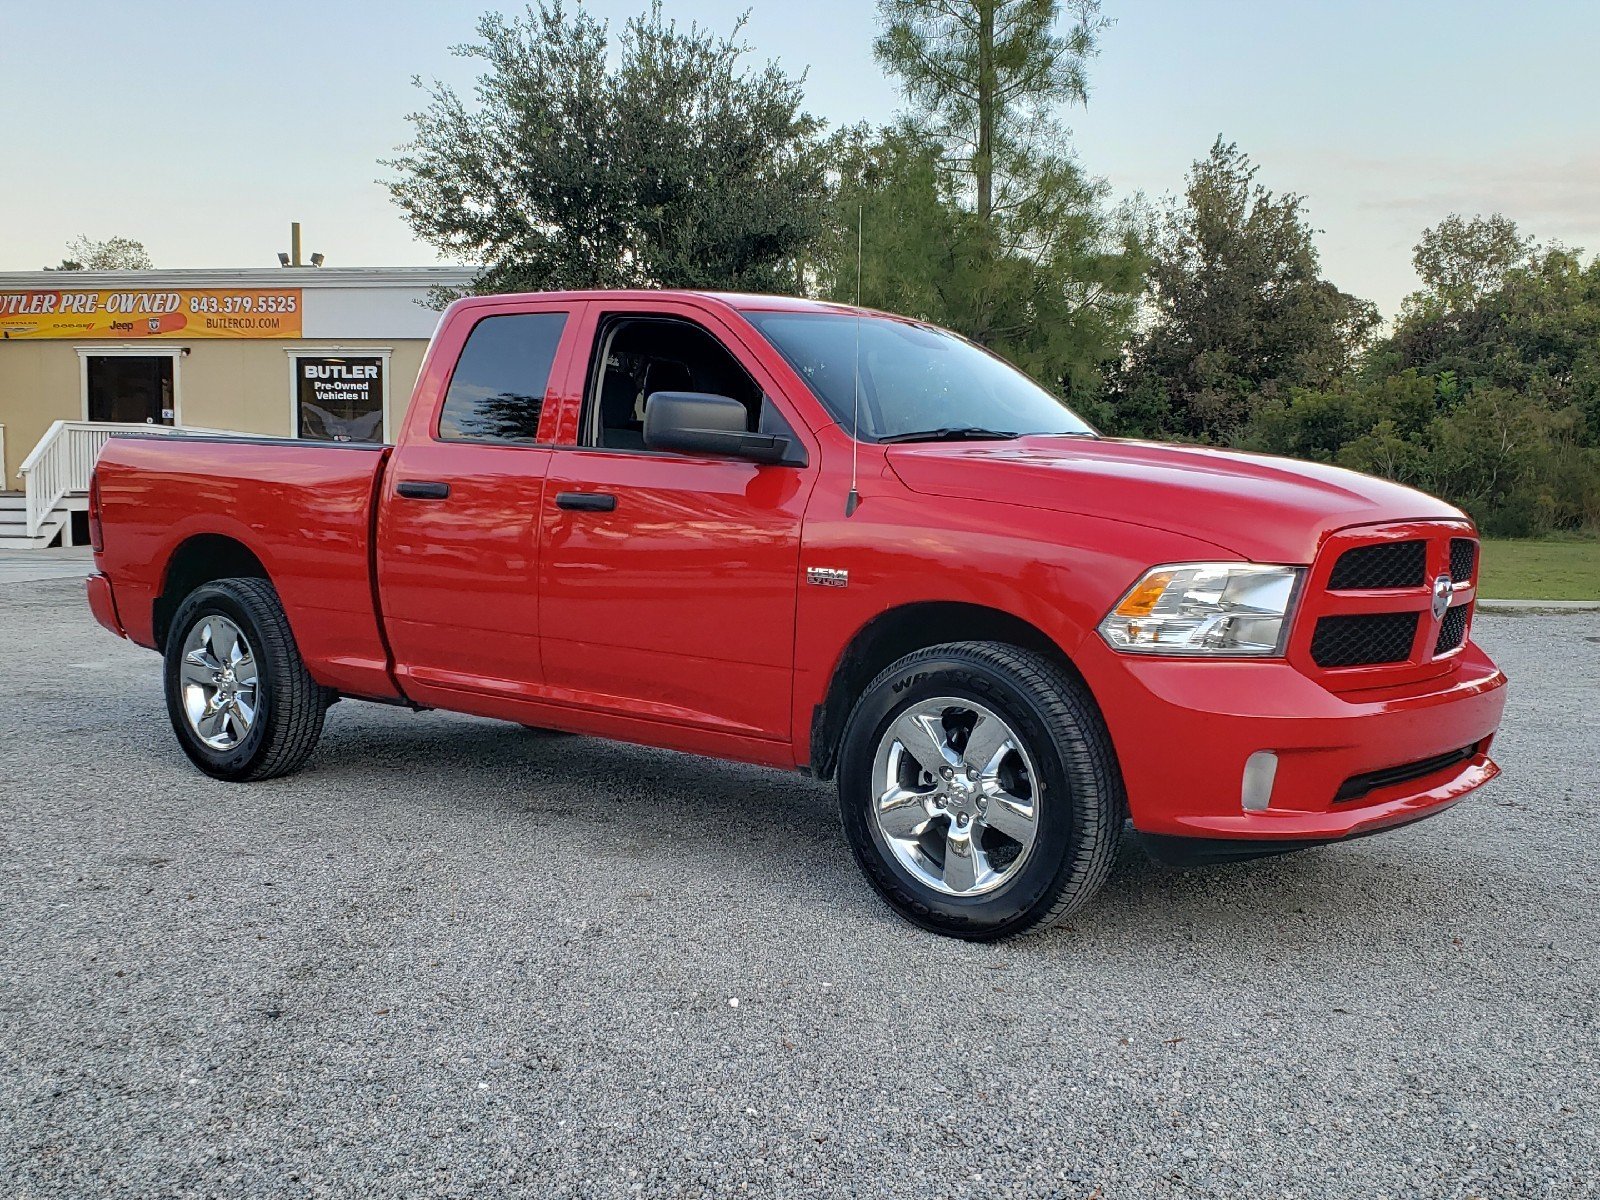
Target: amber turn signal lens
point(1142, 600)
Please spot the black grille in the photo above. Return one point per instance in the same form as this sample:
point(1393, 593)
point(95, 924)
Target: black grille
point(1463, 557)
point(1385, 565)
point(1364, 639)
point(1452, 630)
point(1358, 786)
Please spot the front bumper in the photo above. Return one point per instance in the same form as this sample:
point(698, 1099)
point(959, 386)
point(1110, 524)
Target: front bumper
point(1184, 729)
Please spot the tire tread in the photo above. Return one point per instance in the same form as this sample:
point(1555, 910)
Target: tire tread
point(297, 704)
point(1081, 738)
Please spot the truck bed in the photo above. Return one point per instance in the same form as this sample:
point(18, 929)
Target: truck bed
point(304, 510)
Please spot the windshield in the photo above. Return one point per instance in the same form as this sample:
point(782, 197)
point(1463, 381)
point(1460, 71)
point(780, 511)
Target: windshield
point(914, 379)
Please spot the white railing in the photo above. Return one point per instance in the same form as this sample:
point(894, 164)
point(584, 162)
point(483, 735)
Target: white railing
point(63, 461)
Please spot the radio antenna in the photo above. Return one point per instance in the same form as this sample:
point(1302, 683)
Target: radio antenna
point(853, 500)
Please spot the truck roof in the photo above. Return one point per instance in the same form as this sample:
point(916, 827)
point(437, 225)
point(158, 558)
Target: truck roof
point(742, 301)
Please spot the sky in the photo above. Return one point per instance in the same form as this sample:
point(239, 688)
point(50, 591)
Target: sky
point(203, 130)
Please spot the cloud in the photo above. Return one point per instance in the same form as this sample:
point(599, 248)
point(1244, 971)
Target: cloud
point(1549, 198)
point(1372, 207)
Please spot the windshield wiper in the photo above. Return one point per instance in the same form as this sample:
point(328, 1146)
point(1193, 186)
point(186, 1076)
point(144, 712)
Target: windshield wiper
point(958, 433)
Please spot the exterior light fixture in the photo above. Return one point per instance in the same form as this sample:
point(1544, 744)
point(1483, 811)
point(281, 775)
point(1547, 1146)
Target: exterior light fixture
point(293, 259)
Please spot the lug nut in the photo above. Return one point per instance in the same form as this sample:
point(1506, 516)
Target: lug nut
point(946, 772)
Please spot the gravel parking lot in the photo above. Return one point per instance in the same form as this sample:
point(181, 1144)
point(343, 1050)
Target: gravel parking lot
point(456, 958)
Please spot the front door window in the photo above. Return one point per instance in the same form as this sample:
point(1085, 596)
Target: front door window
point(638, 356)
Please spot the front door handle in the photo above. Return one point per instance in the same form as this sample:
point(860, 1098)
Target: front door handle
point(422, 489)
point(586, 501)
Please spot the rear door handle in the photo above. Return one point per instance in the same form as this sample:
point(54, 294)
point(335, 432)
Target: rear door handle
point(586, 501)
point(422, 489)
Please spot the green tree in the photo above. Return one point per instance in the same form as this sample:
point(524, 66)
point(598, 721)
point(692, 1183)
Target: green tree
point(1487, 393)
point(1060, 317)
point(113, 254)
point(888, 197)
point(987, 78)
point(1537, 330)
point(1237, 311)
point(674, 165)
point(1319, 424)
point(1462, 261)
point(973, 213)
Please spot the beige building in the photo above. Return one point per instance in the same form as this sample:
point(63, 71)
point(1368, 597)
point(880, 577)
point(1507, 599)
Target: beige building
point(328, 352)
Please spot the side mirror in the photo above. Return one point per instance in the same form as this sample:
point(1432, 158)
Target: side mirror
point(701, 423)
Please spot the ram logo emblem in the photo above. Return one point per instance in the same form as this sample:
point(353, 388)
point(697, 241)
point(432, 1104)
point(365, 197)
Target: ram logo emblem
point(1444, 589)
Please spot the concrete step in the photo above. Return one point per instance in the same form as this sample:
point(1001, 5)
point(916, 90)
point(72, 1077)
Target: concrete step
point(42, 542)
point(13, 531)
point(18, 500)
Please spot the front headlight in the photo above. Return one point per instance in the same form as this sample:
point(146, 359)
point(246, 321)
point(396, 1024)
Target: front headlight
point(1217, 609)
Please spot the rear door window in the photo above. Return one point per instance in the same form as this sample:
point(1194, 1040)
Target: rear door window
point(497, 389)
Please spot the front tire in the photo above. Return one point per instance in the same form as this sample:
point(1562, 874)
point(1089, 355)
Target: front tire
point(238, 694)
point(979, 790)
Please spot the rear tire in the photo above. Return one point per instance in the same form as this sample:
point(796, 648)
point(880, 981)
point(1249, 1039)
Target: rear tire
point(238, 694)
point(979, 790)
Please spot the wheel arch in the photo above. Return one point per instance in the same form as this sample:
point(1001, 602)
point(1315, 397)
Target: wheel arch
point(198, 560)
point(899, 631)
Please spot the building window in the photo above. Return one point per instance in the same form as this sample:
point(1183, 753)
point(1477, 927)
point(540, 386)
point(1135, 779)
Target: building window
point(137, 385)
point(497, 391)
point(339, 398)
point(130, 389)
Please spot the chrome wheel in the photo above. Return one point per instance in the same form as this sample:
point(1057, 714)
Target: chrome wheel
point(955, 795)
point(218, 683)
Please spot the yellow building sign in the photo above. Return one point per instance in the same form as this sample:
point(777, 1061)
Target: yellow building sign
point(151, 313)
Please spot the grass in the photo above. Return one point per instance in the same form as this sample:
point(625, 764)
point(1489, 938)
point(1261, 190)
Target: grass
point(1530, 570)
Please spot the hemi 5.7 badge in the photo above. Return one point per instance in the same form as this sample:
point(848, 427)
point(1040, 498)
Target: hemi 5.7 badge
point(828, 576)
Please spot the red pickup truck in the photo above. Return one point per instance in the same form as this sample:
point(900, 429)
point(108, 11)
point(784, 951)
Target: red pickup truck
point(813, 537)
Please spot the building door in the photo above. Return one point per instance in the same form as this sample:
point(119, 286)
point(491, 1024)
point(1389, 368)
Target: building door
point(133, 389)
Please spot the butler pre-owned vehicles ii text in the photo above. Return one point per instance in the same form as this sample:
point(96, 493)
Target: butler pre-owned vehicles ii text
point(818, 538)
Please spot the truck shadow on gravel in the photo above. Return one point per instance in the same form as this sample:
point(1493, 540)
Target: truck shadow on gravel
point(635, 799)
point(1334, 902)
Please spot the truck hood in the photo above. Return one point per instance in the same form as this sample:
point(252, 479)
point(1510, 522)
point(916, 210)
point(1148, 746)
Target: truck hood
point(1262, 508)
